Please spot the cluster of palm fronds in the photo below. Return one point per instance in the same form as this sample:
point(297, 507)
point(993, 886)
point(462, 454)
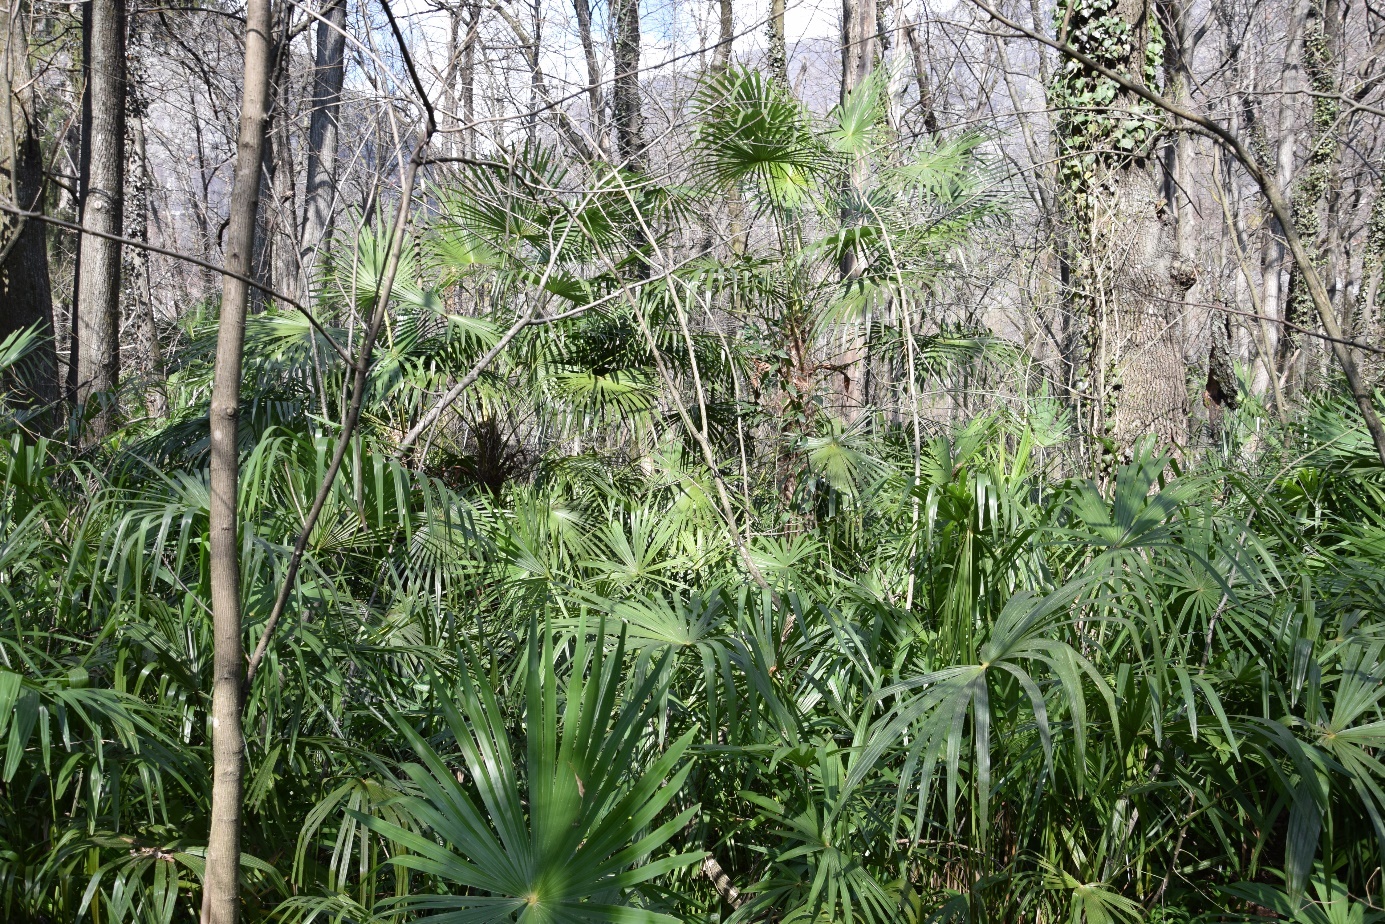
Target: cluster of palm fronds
point(541, 669)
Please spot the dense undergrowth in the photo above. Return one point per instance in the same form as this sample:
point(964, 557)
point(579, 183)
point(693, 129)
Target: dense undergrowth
point(530, 669)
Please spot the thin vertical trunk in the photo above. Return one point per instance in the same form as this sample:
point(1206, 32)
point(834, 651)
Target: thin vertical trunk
point(594, 100)
point(220, 899)
point(629, 118)
point(286, 267)
point(468, 77)
point(925, 82)
point(860, 43)
point(329, 75)
point(26, 296)
point(721, 62)
point(97, 306)
point(140, 291)
point(1316, 181)
point(778, 47)
point(726, 35)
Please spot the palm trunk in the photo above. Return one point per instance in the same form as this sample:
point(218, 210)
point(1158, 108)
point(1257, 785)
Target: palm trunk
point(220, 899)
point(97, 308)
point(329, 74)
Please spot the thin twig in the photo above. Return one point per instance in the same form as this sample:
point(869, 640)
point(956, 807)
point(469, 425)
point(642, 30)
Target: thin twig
point(186, 258)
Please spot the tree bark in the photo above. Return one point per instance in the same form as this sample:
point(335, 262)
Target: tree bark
point(629, 118)
point(598, 106)
point(329, 75)
point(1128, 277)
point(97, 306)
point(859, 43)
point(778, 46)
point(925, 82)
point(726, 36)
point(26, 297)
point(220, 899)
point(1319, 176)
point(139, 289)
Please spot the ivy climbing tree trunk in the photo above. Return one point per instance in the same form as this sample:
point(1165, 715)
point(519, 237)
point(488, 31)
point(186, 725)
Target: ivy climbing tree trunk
point(1314, 186)
point(1127, 279)
point(220, 899)
point(778, 45)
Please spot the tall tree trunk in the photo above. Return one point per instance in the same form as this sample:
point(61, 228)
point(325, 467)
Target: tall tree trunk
point(1128, 278)
point(140, 295)
point(860, 43)
point(329, 75)
point(1316, 181)
point(220, 899)
point(925, 82)
point(629, 118)
point(468, 77)
point(286, 268)
point(97, 307)
point(594, 99)
point(778, 45)
point(26, 296)
point(726, 36)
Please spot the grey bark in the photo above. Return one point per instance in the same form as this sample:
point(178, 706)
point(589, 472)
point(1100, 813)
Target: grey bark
point(137, 206)
point(625, 92)
point(220, 899)
point(594, 97)
point(97, 307)
point(329, 75)
point(778, 48)
point(1130, 281)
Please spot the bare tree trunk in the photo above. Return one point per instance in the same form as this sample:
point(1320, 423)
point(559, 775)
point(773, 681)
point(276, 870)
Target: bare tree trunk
point(26, 296)
point(726, 35)
point(220, 899)
point(97, 306)
point(778, 47)
point(860, 44)
point(329, 75)
point(468, 77)
point(629, 118)
point(286, 266)
point(594, 99)
point(925, 82)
